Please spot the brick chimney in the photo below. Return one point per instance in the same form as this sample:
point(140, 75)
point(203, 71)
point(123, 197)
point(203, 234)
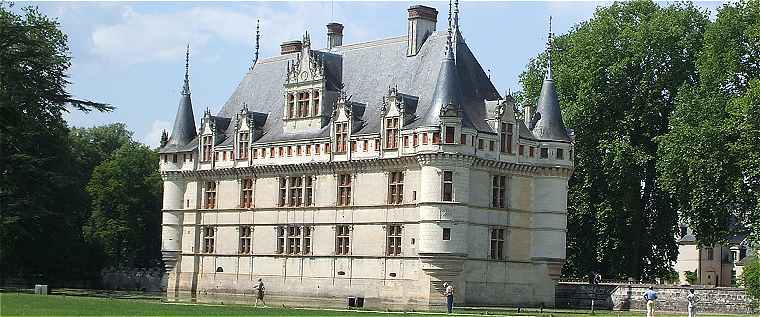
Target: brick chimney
point(334, 35)
point(290, 47)
point(421, 24)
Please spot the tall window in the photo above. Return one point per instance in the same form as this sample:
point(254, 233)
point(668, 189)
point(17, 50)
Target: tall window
point(208, 143)
point(245, 240)
point(463, 139)
point(246, 195)
point(415, 140)
point(491, 146)
point(499, 191)
point(341, 136)
point(393, 233)
point(344, 189)
point(208, 239)
point(424, 138)
point(531, 151)
point(391, 133)
point(480, 144)
point(521, 148)
point(306, 240)
point(342, 240)
point(395, 187)
point(544, 153)
point(560, 154)
point(497, 243)
point(280, 239)
point(406, 141)
point(283, 192)
point(449, 135)
point(210, 195)
point(291, 105)
point(365, 146)
point(506, 137)
point(303, 105)
point(308, 197)
point(448, 186)
point(315, 103)
point(243, 142)
point(296, 191)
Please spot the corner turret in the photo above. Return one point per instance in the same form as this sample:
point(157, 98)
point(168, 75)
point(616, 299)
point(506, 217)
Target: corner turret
point(184, 123)
point(547, 121)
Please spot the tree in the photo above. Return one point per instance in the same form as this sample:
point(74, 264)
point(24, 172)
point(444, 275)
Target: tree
point(710, 159)
point(37, 235)
point(125, 222)
point(617, 77)
point(750, 278)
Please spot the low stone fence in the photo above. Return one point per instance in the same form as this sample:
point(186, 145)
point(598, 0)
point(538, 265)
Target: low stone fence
point(669, 297)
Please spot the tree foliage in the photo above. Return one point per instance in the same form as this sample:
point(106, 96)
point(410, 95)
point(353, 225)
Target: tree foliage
point(750, 278)
point(710, 159)
point(45, 167)
point(126, 201)
point(618, 76)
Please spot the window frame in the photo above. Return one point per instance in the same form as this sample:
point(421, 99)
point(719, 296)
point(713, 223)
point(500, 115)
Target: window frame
point(497, 239)
point(391, 133)
point(343, 239)
point(447, 183)
point(395, 187)
point(344, 183)
point(394, 238)
point(246, 193)
point(499, 191)
point(209, 241)
point(245, 243)
point(209, 195)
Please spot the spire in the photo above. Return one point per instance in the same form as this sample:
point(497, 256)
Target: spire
point(184, 123)
point(447, 91)
point(186, 86)
point(549, 44)
point(547, 121)
point(256, 52)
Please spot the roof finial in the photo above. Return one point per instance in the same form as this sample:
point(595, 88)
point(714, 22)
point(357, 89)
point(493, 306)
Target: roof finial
point(549, 47)
point(256, 52)
point(186, 86)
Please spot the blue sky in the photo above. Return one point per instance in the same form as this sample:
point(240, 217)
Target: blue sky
point(131, 54)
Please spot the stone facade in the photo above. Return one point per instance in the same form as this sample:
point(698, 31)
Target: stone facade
point(328, 200)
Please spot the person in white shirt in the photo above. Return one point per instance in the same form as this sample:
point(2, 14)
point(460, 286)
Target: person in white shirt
point(650, 295)
point(449, 292)
point(692, 299)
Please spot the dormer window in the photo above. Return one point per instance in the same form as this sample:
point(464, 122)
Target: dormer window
point(243, 142)
point(303, 105)
point(341, 136)
point(207, 147)
point(391, 133)
point(291, 105)
point(315, 103)
point(506, 137)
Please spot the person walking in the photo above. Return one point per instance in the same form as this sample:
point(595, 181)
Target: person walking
point(449, 292)
point(259, 293)
point(650, 296)
point(692, 299)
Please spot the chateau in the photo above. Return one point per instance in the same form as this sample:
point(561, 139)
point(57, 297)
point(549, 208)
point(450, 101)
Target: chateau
point(379, 169)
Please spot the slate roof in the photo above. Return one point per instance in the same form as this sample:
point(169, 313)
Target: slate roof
point(368, 69)
point(547, 121)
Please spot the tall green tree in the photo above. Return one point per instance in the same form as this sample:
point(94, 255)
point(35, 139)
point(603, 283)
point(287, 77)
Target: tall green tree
point(618, 75)
point(710, 159)
point(125, 222)
point(37, 235)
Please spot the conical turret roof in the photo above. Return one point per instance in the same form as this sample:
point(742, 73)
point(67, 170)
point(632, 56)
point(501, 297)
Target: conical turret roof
point(547, 121)
point(184, 123)
point(447, 89)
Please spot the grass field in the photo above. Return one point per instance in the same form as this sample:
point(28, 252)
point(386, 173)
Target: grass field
point(15, 304)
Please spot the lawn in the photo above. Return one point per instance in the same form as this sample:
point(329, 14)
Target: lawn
point(15, 304)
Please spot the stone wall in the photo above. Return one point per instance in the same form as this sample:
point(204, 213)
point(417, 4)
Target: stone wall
point(670, 298)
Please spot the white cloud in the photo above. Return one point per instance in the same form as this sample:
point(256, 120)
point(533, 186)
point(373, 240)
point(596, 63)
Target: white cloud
point(153, 138)
point(144, 37)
